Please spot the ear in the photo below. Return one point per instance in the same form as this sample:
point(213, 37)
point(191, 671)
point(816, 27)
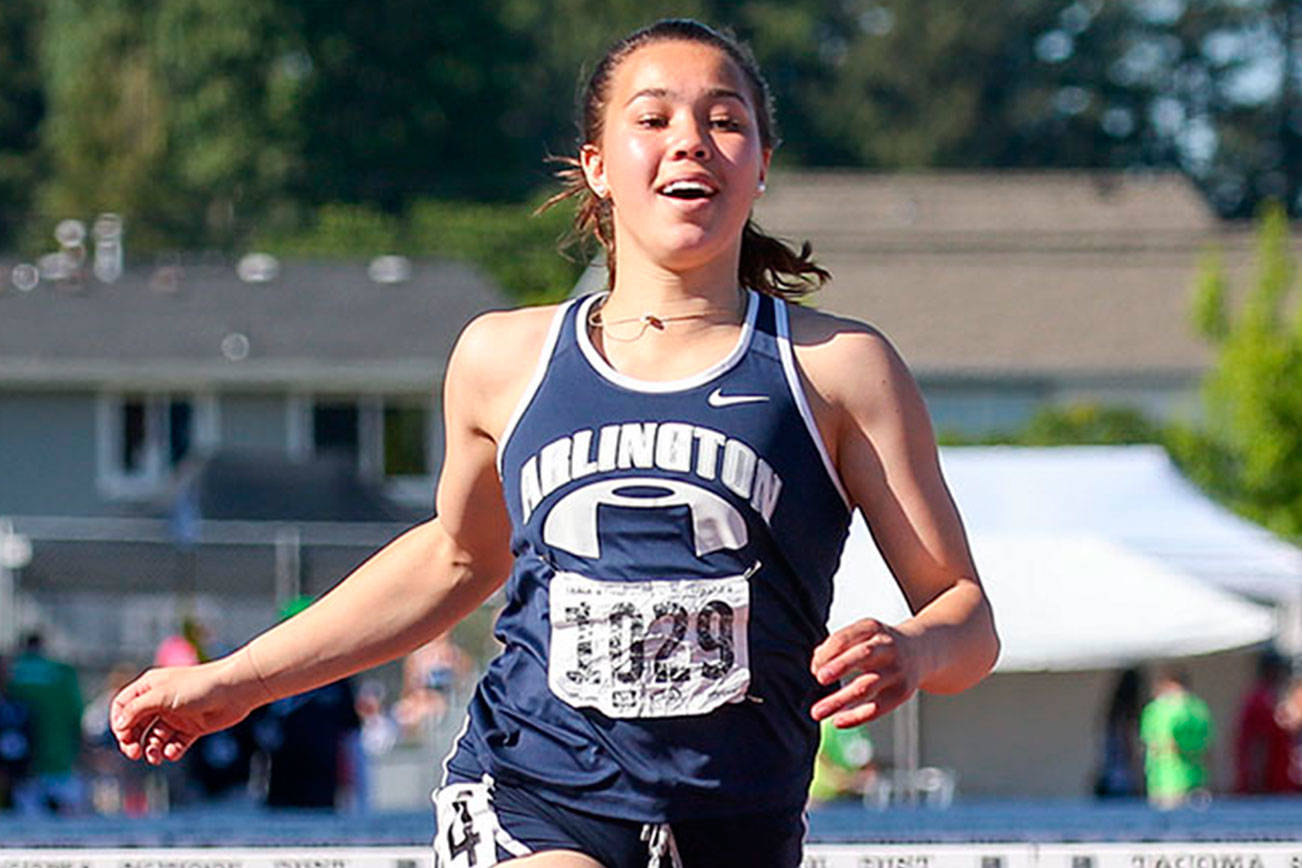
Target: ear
point(594, 169)
point(764, 169)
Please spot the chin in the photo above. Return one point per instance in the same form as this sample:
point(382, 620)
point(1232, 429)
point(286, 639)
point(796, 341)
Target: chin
point(696, 242)
point(682, 257)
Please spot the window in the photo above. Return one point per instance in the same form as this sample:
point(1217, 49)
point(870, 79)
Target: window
point(142, 438)
point(335, 430)
point(388, 438)
point(135, 436)
point(406, 441)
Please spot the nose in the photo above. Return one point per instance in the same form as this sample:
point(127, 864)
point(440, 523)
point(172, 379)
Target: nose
point(692, 141)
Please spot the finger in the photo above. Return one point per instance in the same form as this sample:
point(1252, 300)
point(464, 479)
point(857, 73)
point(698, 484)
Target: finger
point(118, 720)
point(840, 640)
point(156, 739)
point(875, 652)
point(862, 689)
point(133, 738)
point(135, 704)
point(176, 748)
point(858, 716)
point(887, 701)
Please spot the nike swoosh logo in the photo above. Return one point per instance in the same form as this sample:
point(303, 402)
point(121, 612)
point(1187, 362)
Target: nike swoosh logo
point(715, 399)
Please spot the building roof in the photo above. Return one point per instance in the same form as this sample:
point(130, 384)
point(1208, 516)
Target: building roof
point(235, 486)
point(997, 274)
point(322, 324)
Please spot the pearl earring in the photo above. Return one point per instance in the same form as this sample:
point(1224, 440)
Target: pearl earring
point(761, 186)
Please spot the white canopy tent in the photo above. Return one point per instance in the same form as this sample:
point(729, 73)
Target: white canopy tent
point(1093, 557)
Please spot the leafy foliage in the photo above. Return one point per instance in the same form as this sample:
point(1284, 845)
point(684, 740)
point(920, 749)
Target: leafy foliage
point(1251, 449)
point(518, 250)
point(172, 114)
point(22, 105)
point(209, 122)
point(1072, 425)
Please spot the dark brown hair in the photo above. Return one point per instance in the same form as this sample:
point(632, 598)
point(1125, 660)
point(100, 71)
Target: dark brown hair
point(767, 264)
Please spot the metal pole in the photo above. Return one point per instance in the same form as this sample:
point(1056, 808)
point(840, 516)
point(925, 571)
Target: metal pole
point(8, 617)
point(905, 724)
point(15, 553)
point(289, 565)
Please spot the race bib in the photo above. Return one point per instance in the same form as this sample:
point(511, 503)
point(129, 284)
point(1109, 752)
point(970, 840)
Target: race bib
point(660, 648)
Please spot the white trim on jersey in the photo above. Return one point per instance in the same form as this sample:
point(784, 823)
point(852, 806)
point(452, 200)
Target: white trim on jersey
point(447, 758)
point(539, 371)
point(604, 369)
point(798, 394)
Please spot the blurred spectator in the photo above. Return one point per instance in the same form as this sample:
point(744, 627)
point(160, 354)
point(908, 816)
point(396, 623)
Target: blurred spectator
point(221, 763)
point(50, 691)
point(306, 740)
point(15, 741)
point(1121, 769)
point(117, 785)
point(430, 675)
point(378, 735)
point(843, 767)
point(1176, 728)
point(1263, 743)
point(175, 650)
point(379, 731)
point(1289, 714)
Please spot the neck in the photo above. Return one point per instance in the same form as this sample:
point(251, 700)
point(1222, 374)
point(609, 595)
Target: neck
point(644, 286)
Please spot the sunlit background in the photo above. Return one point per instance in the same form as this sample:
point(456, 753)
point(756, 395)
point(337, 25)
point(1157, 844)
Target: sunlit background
point(239, 237)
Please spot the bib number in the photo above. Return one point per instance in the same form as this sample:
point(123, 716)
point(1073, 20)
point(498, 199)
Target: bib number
point(660, 648)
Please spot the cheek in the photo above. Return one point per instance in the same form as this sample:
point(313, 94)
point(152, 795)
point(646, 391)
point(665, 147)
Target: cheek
point(746, 156)
point(629, 162)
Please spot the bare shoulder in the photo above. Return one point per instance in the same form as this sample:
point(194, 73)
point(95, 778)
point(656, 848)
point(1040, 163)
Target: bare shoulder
point(494, 359)
point(846, 361)
point(479, 350)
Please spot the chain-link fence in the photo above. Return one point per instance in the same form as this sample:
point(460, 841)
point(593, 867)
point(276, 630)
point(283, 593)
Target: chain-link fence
point(106, 590)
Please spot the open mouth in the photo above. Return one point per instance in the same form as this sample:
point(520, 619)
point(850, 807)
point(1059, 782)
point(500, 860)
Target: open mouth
point(688, 190)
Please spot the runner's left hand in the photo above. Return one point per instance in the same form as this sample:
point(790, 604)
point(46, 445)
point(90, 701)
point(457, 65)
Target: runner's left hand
point(879, 665)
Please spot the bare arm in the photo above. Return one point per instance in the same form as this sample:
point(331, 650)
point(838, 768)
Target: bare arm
point(885, 452)
point(413, 589)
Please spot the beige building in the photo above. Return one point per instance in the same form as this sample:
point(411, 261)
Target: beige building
point(1007, 290)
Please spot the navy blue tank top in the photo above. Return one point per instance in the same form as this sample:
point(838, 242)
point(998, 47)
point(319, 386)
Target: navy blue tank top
point(674, 549)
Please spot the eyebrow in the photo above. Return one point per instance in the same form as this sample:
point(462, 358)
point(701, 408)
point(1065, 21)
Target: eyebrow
point(662, 93)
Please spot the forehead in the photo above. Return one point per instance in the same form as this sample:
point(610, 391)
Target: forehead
point(677, 70)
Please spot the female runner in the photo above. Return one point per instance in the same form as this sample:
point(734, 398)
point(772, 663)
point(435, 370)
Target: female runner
point(663, 476)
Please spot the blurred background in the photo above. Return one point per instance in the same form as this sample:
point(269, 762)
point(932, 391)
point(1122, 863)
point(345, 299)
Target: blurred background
point(238, 238)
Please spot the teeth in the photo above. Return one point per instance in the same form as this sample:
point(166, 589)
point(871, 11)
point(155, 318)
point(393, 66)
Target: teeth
point(686, 187)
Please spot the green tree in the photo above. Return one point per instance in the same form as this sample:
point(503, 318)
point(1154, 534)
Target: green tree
point(174, 114)
point(1076, 424)
point(1250, 452)
point(22, 105)
point(408, 99)
point(512, 245)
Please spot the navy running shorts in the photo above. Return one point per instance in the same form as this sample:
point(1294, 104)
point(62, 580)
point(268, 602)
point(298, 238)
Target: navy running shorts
point(481, 823)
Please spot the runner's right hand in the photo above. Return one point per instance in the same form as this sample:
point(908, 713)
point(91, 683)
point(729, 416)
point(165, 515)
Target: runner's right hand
point(160, 714)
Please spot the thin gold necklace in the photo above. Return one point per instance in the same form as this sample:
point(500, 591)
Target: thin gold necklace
point(651, 320)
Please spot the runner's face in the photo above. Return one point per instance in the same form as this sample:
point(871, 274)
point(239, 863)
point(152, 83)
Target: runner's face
point(679, 111)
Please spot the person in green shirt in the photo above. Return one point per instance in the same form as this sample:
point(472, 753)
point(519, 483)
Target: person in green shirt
point(843, 766)
point(51, 693)
point(1176, 728)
